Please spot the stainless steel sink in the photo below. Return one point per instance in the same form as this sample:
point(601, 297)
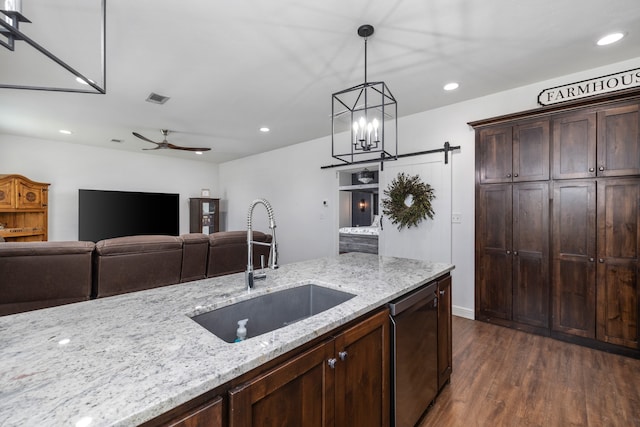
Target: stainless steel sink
point(272, 311)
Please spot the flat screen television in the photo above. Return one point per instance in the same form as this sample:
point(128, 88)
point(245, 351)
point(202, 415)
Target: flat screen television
point(107, 214)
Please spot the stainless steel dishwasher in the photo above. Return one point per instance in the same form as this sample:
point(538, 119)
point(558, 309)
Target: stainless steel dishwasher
point(414, 355)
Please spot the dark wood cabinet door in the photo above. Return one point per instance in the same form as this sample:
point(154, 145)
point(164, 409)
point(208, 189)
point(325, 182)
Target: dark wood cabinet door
point(297, 393)
point(574, 146)
point(494, 151)
point(531, 151)
point(574, 250)
point(207, 415)
point(531, 253)
point(362, 385)
point(618, 290)
point(619, 141)
point(493, 252)
point(444, 332)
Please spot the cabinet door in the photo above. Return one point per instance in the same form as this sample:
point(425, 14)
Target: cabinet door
point(531, 151)
point(493, 252)
point(619, 141)
point(574, 146)
point(30, 196)
point(531, 253)
point(207, 415)
point(444, 332)
point(7, 195)
point(297, 393)
point(362, 386)
point(618, 248)
point(494, 151)
point(574, 237)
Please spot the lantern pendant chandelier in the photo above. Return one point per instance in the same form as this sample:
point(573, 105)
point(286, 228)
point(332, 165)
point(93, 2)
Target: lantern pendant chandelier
point(10, 18)
point(364, 119)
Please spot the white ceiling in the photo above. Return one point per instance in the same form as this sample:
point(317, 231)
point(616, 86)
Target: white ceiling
point(233, 66)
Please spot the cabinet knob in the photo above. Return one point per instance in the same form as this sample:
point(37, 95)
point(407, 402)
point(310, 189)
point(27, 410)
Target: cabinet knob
point(442, 291)
point(508, 175)
point(591, 260)
point(515, 175)
point(515, 253)
point(332, 362)
point(591, 170)
point(508, 252)
point(601, 260)
point(342, 355)
point(601, 168)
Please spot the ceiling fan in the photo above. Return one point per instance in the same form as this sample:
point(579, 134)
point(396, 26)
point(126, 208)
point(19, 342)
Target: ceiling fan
point(167, 144)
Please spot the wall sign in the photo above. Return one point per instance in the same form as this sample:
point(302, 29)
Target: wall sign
point(592, 87)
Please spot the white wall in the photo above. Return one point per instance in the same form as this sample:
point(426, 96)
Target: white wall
point(69, 167)
point(290, 178)
point(292, 181)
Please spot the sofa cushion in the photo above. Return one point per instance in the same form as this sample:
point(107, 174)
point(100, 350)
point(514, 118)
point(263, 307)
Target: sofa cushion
point(228, 252)
point(134, 263)
point(36, 275)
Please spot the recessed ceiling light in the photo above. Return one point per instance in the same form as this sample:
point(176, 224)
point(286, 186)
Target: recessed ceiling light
point(264, 129)
point(65, 132)
point(451, 86)
point(610, 38)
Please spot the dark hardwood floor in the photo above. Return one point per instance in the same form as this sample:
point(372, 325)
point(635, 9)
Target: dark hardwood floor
point(504, 377)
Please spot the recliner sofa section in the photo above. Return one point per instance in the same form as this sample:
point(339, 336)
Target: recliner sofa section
point(37, 275)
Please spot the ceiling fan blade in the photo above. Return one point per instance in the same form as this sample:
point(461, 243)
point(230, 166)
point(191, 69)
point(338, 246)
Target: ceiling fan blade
point(177, 147)
point(143, 137)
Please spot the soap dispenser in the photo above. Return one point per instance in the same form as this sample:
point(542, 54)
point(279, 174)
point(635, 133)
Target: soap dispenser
point(241, 333)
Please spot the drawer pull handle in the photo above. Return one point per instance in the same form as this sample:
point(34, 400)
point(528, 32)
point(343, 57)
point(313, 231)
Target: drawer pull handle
point(342, 355)
point(332, 362)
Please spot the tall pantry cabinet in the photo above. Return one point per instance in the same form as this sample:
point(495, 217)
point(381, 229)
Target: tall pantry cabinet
point(558, 227)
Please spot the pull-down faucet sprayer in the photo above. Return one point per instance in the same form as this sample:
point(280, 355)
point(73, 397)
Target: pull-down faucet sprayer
point(249, 275)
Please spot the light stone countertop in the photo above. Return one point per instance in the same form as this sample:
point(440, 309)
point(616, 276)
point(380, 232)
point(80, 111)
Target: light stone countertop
point(123, 360)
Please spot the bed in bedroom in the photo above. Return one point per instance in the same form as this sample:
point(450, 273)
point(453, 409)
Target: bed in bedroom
point(360, 239)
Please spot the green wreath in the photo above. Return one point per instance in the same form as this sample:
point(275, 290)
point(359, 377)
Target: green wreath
point(409, 201)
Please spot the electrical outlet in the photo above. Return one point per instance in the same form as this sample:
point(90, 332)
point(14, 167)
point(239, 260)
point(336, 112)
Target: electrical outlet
point(456, 218)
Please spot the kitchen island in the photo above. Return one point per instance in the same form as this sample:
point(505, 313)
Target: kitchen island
point(127, 359)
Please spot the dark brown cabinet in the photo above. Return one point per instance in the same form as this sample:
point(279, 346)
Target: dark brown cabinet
point(204, 215)
point(445, 350)
point(299, 392)
point(574, 251)
point(597, 143)
point(514, 153)
point(513, 251)
point(207, 415)
point(618, 287)
point(343, 382)
point(588, 230)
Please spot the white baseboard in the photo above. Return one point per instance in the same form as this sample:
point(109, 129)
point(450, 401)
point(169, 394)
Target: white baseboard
point(462, 312)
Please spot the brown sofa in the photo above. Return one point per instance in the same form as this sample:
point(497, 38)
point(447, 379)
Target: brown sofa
point(228, 252)
point(37, 275)
point(135, 263)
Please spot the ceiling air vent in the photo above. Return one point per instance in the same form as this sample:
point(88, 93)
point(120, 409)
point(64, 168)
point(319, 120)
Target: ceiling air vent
point(157, 99)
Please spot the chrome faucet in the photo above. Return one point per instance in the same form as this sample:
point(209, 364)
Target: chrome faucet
point(250, 275)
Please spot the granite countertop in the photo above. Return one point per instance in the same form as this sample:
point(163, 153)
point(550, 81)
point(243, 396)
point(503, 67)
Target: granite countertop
point(126, 359)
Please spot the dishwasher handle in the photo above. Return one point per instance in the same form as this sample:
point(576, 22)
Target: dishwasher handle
point(427, 293)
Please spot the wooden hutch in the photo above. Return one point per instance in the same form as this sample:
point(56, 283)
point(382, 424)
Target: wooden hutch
point(24, 209)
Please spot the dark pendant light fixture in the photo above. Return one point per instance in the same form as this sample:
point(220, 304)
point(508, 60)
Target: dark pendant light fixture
point(10, 18)
point(364, 119)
